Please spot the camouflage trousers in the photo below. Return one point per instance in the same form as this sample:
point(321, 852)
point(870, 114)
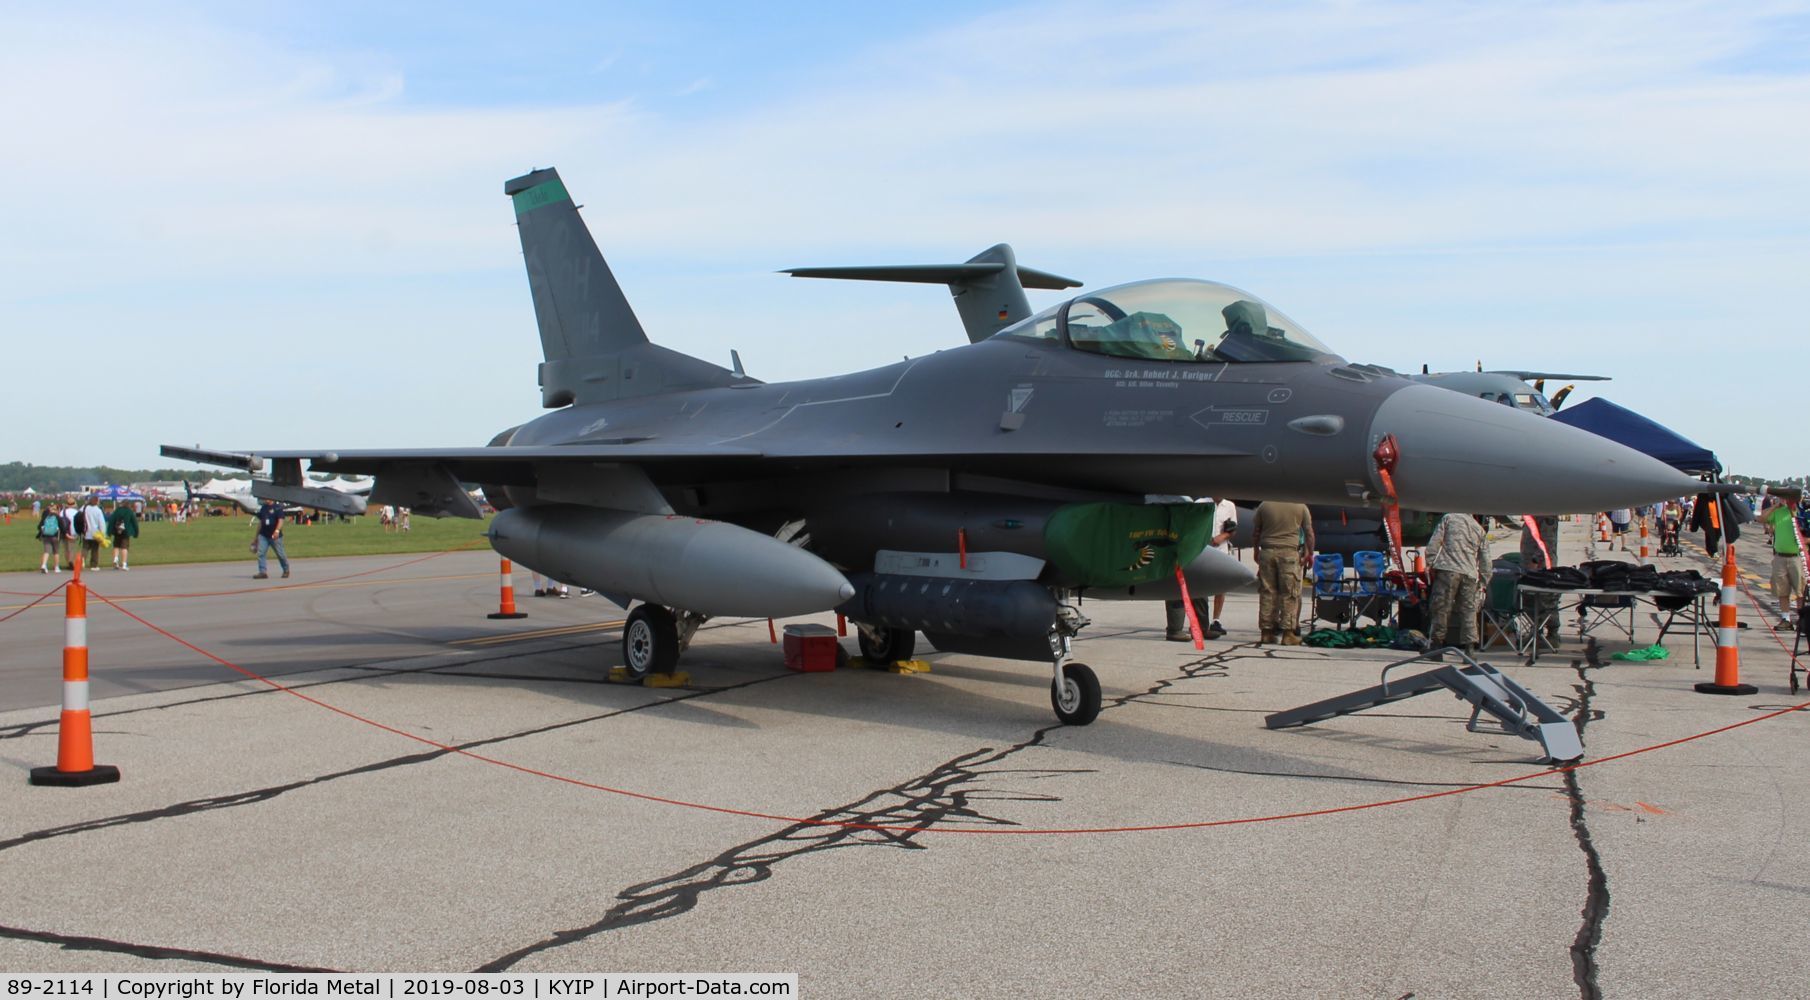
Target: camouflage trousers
point(1452, 609)
point(1279, 590)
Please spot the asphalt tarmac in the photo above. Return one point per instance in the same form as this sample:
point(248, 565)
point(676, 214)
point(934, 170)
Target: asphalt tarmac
point(579, 824)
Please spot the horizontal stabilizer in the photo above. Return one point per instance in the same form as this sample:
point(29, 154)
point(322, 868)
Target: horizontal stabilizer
point(988, 288)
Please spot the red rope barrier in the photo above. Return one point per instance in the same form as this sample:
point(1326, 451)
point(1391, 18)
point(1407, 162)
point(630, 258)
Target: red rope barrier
point(28, 607)
point(920, 828)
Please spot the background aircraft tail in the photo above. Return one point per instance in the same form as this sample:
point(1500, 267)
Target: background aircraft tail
point(594, 346)
point(988, 288)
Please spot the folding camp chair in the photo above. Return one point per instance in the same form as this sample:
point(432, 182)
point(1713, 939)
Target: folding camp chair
point(1333, 600)
point(1375, 599)
point(1606, 609)
point(1502, 616)
point(1800, 646)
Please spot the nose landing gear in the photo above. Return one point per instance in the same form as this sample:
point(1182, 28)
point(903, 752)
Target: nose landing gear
point(1074, 690)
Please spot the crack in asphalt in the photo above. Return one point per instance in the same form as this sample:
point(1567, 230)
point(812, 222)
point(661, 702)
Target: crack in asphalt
point(72, 942)
point(257, 795)
point(364, 673)
point(1595, 911)
point(944, 795)
point(948, 793)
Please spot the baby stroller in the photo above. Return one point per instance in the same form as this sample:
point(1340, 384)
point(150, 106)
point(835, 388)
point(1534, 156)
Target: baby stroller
point(1668, 539)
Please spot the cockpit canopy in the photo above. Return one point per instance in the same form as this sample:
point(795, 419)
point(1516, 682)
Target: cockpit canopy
point(1173, 319)
point(1529, 400)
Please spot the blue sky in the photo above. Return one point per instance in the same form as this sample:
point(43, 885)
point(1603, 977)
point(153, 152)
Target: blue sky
point(282, 225)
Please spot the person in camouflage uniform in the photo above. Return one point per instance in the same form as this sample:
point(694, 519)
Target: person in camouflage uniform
point(1284, 534)
point(1540, 550)
point(1458, 557)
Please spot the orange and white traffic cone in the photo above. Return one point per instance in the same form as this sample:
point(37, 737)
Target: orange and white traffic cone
point(75, 730)
point(1643, 539)
point(507, 608)
point(1728, 637)
point(1602, 527)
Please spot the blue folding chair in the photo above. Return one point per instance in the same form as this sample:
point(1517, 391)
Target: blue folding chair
point(1375, 599)
point(1334, 600)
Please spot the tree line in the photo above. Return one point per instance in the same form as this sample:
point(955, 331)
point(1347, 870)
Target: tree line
point(16, 476)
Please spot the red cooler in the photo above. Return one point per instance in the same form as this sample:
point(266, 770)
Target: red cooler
point(810, 648)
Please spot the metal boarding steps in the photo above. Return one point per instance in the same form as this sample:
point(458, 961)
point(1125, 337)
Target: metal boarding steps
point(1519, 711)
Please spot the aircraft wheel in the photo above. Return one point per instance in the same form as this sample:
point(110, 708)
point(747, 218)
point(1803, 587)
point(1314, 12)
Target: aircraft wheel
point(1076, 697)
point(650, 642)
point(886, 645)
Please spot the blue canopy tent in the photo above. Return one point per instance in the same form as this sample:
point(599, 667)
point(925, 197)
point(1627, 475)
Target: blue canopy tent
point(1624, 426)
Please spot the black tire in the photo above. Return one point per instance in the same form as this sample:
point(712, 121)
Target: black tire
point(892, 645)
point(650, 642)
point(1076, 697)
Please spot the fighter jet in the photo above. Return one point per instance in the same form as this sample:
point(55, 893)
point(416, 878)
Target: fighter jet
point(249, 495)
point(978, 494)
point(1508, 387)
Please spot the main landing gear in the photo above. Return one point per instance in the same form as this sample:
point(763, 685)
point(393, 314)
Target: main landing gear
point(880, 644)
point(653, 638)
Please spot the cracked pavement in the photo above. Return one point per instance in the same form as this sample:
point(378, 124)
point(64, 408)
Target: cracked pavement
point(255, 831)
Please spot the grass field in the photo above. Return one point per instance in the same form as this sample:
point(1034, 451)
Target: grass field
point(223, 539)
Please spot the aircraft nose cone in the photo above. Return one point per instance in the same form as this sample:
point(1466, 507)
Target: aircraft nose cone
point(1461, 453)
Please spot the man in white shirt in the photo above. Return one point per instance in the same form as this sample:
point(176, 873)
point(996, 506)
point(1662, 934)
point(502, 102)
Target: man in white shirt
point(94, 525)
point(1225, 524)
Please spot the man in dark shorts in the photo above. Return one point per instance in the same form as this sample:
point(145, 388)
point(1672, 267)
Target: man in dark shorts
point(122, 527)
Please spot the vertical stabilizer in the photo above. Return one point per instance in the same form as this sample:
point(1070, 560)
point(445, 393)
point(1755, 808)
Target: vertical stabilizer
point(594, 346)
point(990, 302)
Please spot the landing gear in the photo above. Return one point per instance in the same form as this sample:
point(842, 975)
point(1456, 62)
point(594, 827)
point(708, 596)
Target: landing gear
point(650, 642)
point(653, 638)
point(1074, 691)
point(880, 644)
point(1075, 694)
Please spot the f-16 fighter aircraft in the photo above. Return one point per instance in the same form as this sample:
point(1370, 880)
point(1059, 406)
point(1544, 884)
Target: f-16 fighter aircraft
point(1509, 388)
point(241, 494)
point(977, 494)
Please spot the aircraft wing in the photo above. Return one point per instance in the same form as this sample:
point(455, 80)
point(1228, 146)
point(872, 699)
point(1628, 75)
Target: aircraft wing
point(619, 474)
point(428, 480)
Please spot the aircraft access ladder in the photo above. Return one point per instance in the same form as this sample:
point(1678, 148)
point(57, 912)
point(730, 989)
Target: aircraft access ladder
point(1519, 711)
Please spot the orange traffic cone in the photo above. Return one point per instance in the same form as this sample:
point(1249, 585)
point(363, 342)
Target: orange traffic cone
point(507, 608)
point(75, 729)
point(1728, 636)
